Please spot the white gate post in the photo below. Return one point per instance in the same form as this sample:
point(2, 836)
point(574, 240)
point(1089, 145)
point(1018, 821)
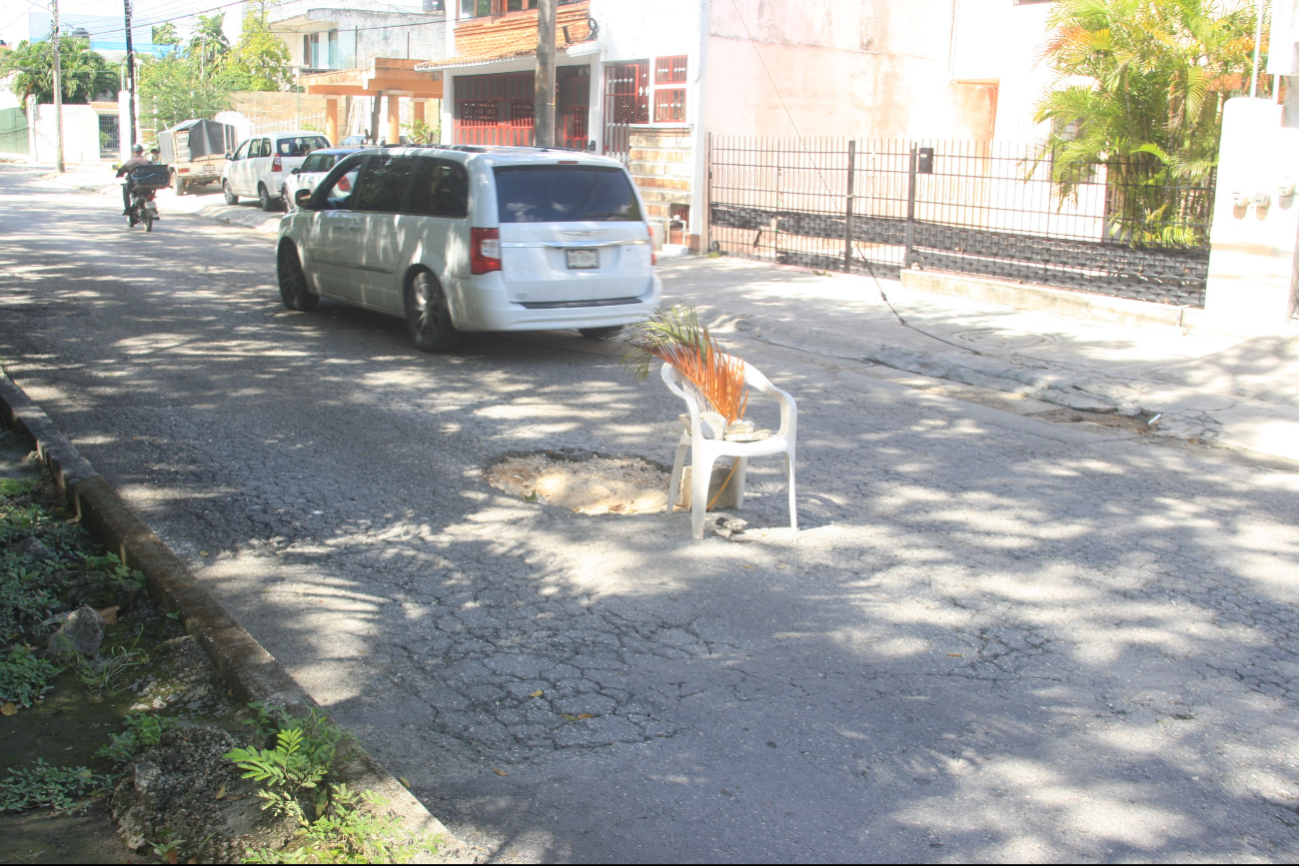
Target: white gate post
point(1255, 233)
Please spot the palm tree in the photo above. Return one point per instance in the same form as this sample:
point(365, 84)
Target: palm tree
point(1140, 91)
point(208, 48)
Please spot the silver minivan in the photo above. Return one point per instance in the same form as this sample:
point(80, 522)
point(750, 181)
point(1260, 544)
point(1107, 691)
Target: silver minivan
point(465, 238)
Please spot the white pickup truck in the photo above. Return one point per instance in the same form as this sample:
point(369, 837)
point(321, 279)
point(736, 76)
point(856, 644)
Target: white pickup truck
point(196, 151)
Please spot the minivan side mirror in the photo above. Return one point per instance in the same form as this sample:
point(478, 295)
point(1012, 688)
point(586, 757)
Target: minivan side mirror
point(302, 199)
point(295, 171)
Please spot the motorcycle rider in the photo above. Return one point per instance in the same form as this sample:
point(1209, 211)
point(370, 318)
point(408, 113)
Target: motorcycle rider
point(134, 162)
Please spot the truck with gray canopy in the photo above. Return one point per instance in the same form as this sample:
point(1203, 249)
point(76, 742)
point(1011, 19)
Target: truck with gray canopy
point(196, 151)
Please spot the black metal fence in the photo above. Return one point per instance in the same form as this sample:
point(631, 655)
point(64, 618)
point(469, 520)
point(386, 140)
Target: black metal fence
point(985, 208)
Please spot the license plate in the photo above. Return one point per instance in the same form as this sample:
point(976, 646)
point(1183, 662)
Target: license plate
point(583, 258)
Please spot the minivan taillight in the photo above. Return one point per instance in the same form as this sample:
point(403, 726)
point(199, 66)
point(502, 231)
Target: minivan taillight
point(654, 257)
point(276, 165)
point(484, 250)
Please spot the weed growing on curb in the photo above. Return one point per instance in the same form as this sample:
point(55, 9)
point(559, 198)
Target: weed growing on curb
point(24, 677)
point(141, 732)
point(354, 829)
point(287, 769)
point(345, 827)
point(44, 785)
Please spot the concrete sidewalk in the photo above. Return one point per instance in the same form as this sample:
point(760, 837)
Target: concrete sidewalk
point(1197, 385)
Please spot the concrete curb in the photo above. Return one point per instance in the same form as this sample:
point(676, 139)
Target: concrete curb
point(238, 215)
point(251, 673)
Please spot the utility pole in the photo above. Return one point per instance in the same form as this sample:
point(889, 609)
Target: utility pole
point(544, 105)
point(58, 94)
point(130, 76)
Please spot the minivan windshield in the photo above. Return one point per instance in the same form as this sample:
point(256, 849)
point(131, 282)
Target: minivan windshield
point(564, 194)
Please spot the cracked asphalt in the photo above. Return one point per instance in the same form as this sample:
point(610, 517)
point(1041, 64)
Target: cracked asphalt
point(994, 638)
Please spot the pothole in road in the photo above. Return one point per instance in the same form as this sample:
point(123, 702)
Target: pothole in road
point(584, 483)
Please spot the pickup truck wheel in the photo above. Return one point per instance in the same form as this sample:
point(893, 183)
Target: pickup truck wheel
point(293, 282)
point(177, 184)
point(231, 198)
point(427, 316)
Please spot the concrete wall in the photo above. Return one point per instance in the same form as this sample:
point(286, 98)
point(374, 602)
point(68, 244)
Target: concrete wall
point(999, 43)
point(631, 31)
point(363, 36)
point(1253, 267)
point(839, 68)
point(80, 134)
point(267, 109)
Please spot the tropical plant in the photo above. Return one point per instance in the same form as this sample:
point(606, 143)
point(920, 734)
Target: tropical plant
point(83, 73)
point(421, 132)
point(679, 339)
point(208, 48)
point(1140, 90)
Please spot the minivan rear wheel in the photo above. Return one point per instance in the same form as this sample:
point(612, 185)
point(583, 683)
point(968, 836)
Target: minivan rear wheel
point(600, 333)
point(427, 317)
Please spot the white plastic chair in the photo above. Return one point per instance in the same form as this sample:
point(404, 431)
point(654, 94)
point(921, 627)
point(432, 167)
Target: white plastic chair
point(708, 445)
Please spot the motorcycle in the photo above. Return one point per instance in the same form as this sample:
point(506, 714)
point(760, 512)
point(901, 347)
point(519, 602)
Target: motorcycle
point(144, 182)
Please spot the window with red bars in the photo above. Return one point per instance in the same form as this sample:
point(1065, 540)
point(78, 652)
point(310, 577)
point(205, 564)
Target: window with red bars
point(670, 70)
point(521, 111)
point(670, 105)
point(478, 112)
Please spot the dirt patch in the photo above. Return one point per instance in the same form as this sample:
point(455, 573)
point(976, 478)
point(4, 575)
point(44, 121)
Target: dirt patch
point(584, 484)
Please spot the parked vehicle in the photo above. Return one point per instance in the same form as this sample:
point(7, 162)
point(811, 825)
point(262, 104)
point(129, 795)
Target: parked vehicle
point(474, 239)
point(312, 170)
point(144, 181)
point(257, 168)
point(196, 151)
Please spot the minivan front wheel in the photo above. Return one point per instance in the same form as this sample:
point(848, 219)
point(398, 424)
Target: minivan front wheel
point(427, 316)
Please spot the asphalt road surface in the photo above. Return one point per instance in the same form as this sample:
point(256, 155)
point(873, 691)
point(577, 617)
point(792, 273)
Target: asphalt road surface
point(994, 638)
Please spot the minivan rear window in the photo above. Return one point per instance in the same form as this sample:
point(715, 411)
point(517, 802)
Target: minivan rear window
point(564, 194)
point(301, 145)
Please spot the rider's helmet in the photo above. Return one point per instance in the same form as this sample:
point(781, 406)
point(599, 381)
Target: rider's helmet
point(138, 149)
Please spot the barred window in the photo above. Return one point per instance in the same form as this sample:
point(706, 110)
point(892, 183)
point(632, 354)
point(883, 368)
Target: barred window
point(670, 106)
point(474, 112)
point(670, 70)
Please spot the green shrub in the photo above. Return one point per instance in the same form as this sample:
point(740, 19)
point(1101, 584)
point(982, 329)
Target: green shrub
point(24, 677)
point(50, 787)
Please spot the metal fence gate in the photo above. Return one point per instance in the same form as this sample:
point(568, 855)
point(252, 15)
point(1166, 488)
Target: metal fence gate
point(13, 131)
point(993, 209)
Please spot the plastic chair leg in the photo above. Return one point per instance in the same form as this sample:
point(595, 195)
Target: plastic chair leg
point(741, 469)
point(793, 509)
point(701, 472)
point(678, 467)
